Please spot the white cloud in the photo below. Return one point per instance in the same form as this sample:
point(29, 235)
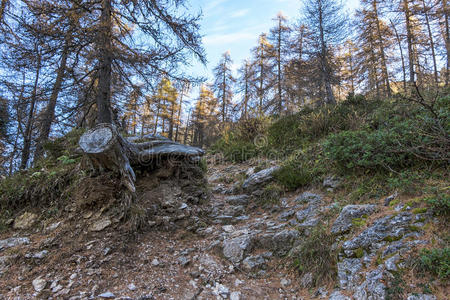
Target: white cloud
point(240, 13)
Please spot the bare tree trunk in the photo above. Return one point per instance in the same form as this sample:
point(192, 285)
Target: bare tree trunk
point(187, 128)
point(381, 47)
point(179, 113)
point(326, 76)
point(410, 40)
point(280, 99)
point(430, 36)
point(103, 98)
point(446, 35)
point(29, 128)
point(2, 9)
point(399, 41)
point(49, 114)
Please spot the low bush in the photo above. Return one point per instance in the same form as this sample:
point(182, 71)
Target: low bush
point(436, 262)
point(440, 204)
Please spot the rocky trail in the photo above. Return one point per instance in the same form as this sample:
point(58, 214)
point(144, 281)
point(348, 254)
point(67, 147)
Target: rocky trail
point(235, 248)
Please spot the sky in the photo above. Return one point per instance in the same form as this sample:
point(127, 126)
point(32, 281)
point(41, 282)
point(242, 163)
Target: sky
point(234, 25)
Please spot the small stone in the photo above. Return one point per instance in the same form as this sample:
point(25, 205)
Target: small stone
point(336, 295)
point(53, 226)
point(132, 287)
point(421, 297)
point(155, 262)
point(285, 282)
point(39, 284)
point(40, 255)
point(184, 261)
point(228, 228)
point(235, 296)
point(100, 225)
point(389, 199)
point(25, 221)
point(107, 295)
point(183, 206)
point(331, 182)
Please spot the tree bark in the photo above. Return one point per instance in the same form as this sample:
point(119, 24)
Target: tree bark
point(410, 40)
point(49, 114)
point(430, 36)
point(108, 150)
point(399, 41)
point(103, 98)
point(29, 128)
point(381, 47)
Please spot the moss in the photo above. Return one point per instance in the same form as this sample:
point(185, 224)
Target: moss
point(359, 222)
point(394, 202)
point(391, 239)
point(419, 210)
point(414, 228)
point(359, 253)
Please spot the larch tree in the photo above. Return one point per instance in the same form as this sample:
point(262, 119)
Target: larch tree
point(223, 84)
point(279, 38)
point(327, 23)
point(263, 71)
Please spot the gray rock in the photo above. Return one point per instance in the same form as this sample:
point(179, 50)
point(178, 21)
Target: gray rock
point(235, 296)
point(389, 227)
point(237, 200)
point(228, 228)
point(234, 211)
point(286, 215)
point(344, 222)
point(13, 242)
point(389, 199)
point(107, 295)
point(258, 179)
point(155, 262)
point(38, 255)
point(348, 273)
point(183, 261)
point(391, 263)
point(321, 292)
point(331, 182)
point(372, 287)
point(337, 295)
point(132, 287)
point(285, 282)
point(39, 284)
point(309, 198)
point(301, 215)
point(235, 248)
point(421, 297)
point(283, 241)
point(253, 263)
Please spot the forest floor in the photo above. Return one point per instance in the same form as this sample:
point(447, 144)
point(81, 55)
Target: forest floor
point(240, 253)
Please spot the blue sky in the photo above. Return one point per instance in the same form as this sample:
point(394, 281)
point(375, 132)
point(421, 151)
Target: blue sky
point(234, 25)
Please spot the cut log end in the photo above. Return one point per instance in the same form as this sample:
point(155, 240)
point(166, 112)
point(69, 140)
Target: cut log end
point(98, 139)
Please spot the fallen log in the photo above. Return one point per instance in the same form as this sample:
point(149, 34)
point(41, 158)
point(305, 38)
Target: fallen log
point(108, 150)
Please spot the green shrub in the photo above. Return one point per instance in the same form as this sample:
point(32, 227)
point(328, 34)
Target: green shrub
point(364, 149)
point(235, 149)
point(436, 262)
point(440, 204)
point(293, 174)
point(316, 255)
